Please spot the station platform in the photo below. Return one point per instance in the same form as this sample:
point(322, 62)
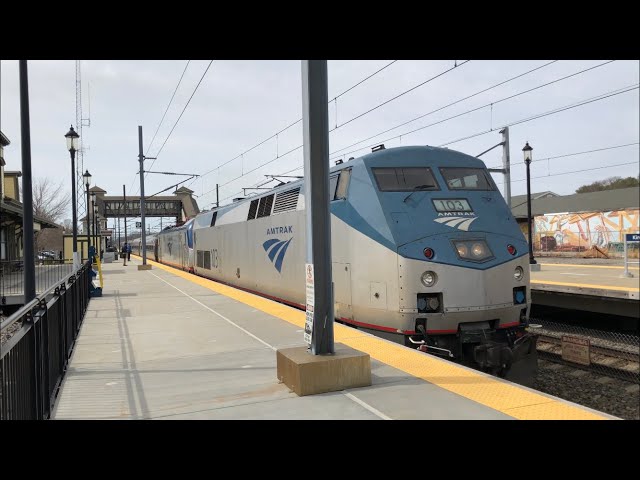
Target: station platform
point(587, 285)
point(166, 344)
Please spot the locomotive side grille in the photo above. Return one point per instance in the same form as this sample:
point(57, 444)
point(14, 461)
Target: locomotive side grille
point(252, 209)
point(199, 260)
point(207, 259)
point(264, 210)
point(286, 201)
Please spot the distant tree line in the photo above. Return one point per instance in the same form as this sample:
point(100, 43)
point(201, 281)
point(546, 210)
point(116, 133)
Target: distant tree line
point(611, 183)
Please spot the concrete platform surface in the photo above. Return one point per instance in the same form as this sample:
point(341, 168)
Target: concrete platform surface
point(604, 280)
point(164, 344)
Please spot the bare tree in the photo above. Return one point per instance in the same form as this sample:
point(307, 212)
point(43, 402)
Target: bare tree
point(49, 201)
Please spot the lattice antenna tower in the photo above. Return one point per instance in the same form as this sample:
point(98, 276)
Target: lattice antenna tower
point(81, 189)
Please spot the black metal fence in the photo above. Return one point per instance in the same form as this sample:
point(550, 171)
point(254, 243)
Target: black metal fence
point(48, 273)
point(36, 346)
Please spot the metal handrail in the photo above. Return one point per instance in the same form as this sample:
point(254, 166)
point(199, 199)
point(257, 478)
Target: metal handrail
point(27, 307)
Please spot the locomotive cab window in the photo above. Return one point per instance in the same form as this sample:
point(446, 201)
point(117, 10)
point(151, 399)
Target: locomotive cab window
point(458, 178)
point(405, 179)
point(338, 184)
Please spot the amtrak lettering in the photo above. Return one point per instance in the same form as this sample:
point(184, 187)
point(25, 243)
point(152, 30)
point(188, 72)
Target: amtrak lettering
point(279, 230)
point(457, 214)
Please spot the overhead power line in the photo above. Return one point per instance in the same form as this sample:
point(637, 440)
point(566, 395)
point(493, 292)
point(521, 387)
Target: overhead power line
point(534, 117)
point(339, 126)
point(399, 95)
point(181, 113)
point(613, 93)
point(167, 109)
point(447, 106)
point(575, 171)
point(579, 153)
point(490, 104)
point(362, 81)
point(294, 123)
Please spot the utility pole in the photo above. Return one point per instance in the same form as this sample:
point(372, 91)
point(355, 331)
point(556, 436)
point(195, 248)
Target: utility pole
point(506, 165)
point(124, 202)
point(320, 367)
point(316, 196)
point(141, 159)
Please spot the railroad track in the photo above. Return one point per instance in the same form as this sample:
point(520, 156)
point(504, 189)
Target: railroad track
point(620, 361)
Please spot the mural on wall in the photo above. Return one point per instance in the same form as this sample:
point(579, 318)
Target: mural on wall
point(581, 231)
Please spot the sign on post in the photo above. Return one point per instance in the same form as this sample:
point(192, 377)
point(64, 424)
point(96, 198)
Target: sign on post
point(308, 324)
point(576, 350)
point(138, 224)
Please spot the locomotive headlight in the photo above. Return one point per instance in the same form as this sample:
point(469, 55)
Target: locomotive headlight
point(473, 250)
point(429, 279)
point(477, 250)
point(518, 273)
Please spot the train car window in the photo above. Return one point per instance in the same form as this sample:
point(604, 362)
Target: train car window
point(462, 178)
point(343, 184)
point(405, 179)
point(253, 208)
point(264, 209)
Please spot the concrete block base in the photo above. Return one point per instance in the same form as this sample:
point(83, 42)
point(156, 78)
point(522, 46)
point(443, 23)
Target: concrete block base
point(144, 267)
point(308, 374)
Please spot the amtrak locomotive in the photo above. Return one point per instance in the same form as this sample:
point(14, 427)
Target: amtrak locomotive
point(425, 251)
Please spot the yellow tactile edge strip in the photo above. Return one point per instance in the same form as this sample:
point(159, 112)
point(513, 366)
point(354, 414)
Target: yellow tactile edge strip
point(617, 267)
point(586, 285)
point(512, 400)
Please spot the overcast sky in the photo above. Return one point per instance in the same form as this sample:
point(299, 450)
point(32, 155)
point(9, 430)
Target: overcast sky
point(240, 103)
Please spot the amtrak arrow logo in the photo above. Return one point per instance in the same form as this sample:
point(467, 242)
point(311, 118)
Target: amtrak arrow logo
point(276, 249)
point(461, 223)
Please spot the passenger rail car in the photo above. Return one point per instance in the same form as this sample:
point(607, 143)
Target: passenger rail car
point(174, 246)
point(424, 249)
point(136, 246)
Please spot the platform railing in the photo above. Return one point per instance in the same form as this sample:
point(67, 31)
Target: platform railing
point(48, 272)
point(36, 343)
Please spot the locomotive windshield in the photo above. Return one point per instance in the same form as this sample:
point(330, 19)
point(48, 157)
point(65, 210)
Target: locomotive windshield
point(405, 179)
point(466, 178)
point(190, 235)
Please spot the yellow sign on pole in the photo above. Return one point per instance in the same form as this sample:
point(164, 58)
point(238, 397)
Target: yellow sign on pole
point(99, 270)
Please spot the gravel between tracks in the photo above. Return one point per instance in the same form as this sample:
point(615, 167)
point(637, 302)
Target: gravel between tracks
point(615, 397)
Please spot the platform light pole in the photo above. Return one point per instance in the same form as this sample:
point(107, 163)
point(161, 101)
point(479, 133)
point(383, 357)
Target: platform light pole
point(27, 197)
point(72, 145)
point(528, 155)
point(87, 182)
